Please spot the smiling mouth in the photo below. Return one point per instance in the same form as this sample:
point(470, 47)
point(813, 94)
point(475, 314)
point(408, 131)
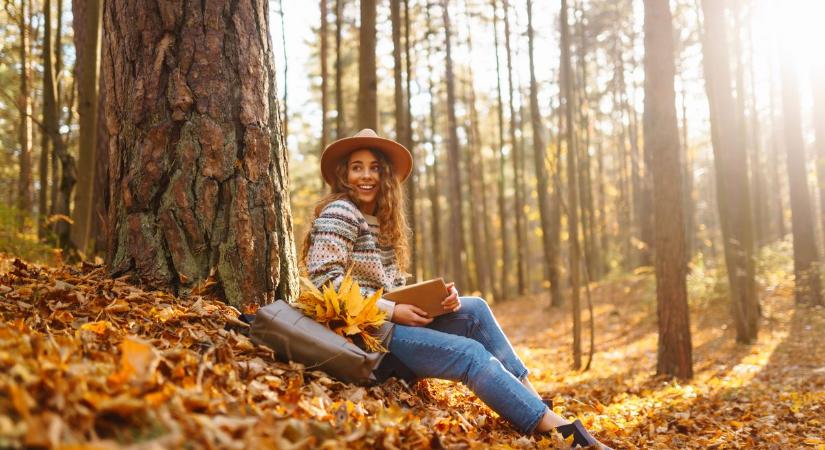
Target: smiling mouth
point(366, 187)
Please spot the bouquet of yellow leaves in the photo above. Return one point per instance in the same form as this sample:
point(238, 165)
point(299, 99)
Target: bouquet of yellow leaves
point(346, 311)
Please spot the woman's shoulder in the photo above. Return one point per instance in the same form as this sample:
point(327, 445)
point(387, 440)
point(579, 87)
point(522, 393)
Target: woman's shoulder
point(341, 207)
point(343, 211)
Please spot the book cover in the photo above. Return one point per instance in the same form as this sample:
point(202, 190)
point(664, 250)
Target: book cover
point(426, 295)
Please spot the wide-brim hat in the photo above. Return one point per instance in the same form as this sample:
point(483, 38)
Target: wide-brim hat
point(398, 155)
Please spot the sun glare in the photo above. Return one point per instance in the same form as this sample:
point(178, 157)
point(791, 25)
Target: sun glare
point(799, 29)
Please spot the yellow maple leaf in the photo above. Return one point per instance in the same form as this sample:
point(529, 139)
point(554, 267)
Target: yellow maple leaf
point(345, 310)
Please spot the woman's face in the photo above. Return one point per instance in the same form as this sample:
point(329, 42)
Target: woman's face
point(364, 174)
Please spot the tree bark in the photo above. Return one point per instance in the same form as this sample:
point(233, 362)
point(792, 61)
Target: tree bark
point(730, 158)
point(87, 17)
point(661, 140)
point(198, 165)
point(367, 78)
point(24, 134)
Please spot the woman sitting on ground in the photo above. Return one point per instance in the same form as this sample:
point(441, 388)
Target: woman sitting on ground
point(360, 226)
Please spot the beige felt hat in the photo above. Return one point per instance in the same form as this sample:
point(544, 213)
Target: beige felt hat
point(397, 154)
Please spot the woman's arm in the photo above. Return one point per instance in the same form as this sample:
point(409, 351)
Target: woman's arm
point(333, 237)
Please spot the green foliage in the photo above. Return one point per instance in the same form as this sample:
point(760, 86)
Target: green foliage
point(23, 245)
point(707, 282)
point(774, 262)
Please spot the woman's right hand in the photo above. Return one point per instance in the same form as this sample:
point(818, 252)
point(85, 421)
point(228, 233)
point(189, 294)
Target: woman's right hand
point(410, 315)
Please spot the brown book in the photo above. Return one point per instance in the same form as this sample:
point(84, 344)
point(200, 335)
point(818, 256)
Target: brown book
point(426, 295)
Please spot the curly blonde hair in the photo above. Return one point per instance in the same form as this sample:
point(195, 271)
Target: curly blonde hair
point(392, 221)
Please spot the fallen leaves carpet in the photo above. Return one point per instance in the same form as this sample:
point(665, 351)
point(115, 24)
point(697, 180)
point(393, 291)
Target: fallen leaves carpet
point(91, 362)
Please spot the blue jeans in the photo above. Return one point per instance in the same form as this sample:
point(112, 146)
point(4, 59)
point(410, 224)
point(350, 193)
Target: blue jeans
point(468, 346)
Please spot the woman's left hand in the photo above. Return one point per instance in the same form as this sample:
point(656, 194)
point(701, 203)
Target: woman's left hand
point(452, 302)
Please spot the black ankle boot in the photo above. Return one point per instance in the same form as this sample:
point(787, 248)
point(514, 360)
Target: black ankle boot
point(581, 437)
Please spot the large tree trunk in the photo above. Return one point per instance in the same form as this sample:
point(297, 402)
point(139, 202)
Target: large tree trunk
point(542, 179)
point(24, 134)
point(730, 157)
point(87, 26)
point(805, 257)
point(572, 188)
point(367, 78)
point(198, 166)
point(456, 268)
point(661, 140)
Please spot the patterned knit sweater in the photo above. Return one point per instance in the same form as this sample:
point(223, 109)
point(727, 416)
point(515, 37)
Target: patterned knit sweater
point(342, 237)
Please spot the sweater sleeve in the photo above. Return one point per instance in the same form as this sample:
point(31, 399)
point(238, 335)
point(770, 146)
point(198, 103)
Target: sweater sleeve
point(333, 237)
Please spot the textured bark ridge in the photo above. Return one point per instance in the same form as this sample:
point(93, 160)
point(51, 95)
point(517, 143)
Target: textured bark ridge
point(198, 169)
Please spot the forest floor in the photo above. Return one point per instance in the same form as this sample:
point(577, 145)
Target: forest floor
point(91, 362)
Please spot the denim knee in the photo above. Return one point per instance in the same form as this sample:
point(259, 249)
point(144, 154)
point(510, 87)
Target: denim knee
point(477, 356)
point(476, 306)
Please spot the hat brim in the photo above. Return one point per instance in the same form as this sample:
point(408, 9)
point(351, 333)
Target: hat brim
point(398, 155)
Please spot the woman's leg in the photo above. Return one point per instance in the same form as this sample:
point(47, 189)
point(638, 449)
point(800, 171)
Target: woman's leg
point(434, 354)
point(475, 320)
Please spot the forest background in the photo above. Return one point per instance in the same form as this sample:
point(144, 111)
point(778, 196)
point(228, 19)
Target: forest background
point(570, 157)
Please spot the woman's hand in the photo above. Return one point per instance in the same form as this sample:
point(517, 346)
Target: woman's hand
point(451, 303)
point(410, 315)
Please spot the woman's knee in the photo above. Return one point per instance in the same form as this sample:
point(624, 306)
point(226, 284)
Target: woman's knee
point(476, 306)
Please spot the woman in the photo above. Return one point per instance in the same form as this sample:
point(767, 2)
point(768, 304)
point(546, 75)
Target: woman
point(361, 226)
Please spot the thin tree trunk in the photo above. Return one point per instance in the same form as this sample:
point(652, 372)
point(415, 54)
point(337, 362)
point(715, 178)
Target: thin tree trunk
point(24, 136)
point(807, 286)
point(503, 287)
point(407, 140)
point(324, 85)
point(198, 167)
point(340, 130)
point(367, 78)
point(45, 146)
point(434, 191)
point(732, 188)
point(285, 117)
point(478, 185)
point(760, 210)
point(572, 188)
point(515, 149)
point(401, 122)
point(542, 179)
point(87, 16)
point(456, 270)
point(774, 158)
point(661, 140)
